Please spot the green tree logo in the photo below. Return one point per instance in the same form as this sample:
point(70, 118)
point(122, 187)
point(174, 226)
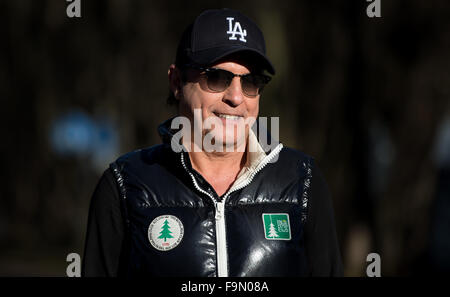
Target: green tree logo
point(276, 226)
point(165, 232)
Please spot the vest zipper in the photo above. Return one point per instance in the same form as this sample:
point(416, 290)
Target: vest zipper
point(222, 255)
point(222, 266)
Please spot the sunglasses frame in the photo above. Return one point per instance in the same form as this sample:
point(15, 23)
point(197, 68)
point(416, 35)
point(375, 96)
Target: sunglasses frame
point(265, 78)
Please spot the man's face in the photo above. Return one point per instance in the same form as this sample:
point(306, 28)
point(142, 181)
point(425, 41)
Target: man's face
point(230, 108)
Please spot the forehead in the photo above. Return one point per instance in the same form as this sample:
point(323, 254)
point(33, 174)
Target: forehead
point(242, 60)
point(232, 66)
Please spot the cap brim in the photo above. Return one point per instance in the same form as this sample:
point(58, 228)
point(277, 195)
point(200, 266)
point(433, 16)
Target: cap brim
point(212, 55)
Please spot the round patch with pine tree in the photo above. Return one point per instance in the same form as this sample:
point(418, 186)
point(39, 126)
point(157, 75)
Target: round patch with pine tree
point(165, 232)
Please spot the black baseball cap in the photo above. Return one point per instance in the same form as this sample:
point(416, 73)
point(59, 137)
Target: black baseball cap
point(217, 33)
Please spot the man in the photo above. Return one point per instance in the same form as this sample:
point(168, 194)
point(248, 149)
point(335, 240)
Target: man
point(211, 200)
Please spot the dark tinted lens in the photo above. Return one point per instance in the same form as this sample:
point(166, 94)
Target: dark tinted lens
point(252, 84)
point(218, 79)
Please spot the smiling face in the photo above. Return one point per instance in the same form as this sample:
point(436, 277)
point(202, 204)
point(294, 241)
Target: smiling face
point(228, 110)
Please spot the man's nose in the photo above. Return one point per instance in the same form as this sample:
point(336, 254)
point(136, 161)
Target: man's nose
point(233, 94)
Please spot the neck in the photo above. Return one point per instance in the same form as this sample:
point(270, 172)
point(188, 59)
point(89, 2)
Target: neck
point(220, 169)
point(217, 161)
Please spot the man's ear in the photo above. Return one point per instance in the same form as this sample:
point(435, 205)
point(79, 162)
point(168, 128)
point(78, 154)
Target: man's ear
point(175, 81)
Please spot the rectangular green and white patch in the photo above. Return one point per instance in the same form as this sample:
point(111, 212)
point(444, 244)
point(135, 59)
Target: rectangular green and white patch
point(276, 226)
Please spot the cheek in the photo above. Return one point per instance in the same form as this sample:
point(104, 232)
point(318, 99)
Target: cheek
point(253, 107)
point(197, 97)
point(189, 101)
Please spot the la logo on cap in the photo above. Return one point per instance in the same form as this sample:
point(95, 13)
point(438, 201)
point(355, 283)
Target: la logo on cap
point(236, 30)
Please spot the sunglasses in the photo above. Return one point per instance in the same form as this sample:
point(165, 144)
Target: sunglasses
point(218, 80)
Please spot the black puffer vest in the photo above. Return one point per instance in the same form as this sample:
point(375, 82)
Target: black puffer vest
point(178, 226)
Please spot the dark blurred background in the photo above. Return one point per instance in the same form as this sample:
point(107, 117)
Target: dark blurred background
point(367, 97)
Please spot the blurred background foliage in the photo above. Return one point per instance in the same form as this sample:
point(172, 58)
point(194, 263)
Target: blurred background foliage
point(367, 97)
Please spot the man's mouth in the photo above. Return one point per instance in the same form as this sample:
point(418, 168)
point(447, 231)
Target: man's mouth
point(228, 116)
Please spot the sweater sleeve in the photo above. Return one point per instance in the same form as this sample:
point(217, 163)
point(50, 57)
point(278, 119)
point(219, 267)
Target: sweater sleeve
point(322, 247)
point(105, 230)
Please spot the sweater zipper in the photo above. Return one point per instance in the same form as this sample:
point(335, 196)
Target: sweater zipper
point(222, 255)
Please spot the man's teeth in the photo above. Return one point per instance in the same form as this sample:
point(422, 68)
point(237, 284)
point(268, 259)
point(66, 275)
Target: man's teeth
point(227, 116)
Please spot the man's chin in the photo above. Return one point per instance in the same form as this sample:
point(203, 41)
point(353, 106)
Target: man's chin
point(226, 142)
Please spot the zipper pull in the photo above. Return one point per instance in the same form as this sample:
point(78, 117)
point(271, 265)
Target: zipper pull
point(220, 208)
